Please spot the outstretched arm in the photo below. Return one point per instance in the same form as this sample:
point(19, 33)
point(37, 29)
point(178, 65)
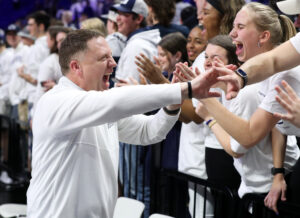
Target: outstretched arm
point(260, 67)
point(247, 133)
point(222, 136)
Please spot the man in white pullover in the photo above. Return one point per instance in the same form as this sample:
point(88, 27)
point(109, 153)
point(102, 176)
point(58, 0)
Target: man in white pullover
point(77, 126)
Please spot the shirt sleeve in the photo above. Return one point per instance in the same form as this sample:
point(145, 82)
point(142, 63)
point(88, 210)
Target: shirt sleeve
point(269, 102)
point(237, 147)
point(70, 110)
point(296, 42)
point(145, 130)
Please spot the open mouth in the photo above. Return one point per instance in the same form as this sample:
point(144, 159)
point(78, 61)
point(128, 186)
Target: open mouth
point(239, 47)
point(191, 53)
point(106, 78)
point(201, 26)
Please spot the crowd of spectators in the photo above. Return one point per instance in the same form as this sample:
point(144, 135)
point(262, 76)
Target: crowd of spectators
point(239, 143)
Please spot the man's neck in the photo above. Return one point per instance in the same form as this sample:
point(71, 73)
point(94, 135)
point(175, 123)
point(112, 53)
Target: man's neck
point(2, 48)
point(40, 35)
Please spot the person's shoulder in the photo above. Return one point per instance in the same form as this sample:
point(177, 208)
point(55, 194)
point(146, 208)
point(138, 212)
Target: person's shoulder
point(7, 54)
point(180, 28)
point(144, 38)
point(116, 37)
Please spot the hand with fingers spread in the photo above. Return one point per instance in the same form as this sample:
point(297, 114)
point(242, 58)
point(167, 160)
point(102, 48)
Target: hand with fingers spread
point(202, 84)
point(151, 71)
point(143, 80)
point(289, 100)
point(185, 73)
point(227, 75)
point(278, 190)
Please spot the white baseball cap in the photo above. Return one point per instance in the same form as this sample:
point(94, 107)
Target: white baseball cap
point(112, 15)
point(289, 7)
point(132, 6)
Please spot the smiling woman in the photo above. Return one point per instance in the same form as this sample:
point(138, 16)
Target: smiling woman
point(218, 15)
point(196, 43)
point(249, 119)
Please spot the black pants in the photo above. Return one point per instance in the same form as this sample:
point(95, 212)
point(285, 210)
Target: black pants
point(220, 169)
point(293, 185)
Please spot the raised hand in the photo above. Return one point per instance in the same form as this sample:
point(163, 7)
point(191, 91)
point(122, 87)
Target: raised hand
point(151, 71)
point(229, 77)
point(202, 84)
point(185, 73)
point(289, 100)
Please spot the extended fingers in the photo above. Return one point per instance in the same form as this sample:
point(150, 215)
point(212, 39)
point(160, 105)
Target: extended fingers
point(231, 95)
point(270, 201)
point(180, 77)
point(197, 71)
point(284, 101)
point(143, 79)
point(186, 71)
point(292, 94)
point(213, 94)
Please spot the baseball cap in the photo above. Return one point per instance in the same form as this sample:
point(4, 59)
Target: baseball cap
point(112, 15)
point(12, 28)
point(132, 6)
point(25, 33)
point(289, 7)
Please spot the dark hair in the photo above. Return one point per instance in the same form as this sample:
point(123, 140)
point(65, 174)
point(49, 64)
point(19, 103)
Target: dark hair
point(136, 16)
point(53, 31)
point(41, 17)
point(164, 10)
point(188, 17)
point(230, 9)
point(225, 42)
point(75, 42)
point(173, 43)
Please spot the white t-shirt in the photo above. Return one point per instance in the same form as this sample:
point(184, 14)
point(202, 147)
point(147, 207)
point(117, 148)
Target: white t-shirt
point(6, 58)
point(256, 163)
point(39, 51)
point(296, 42)
point(269, 103)
point(48, 70)
point(17, 85)
point(76, 137)
point(210, 139)
point(191, 157)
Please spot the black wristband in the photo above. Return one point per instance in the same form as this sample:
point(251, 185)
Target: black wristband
point(275, 171)
point(243, 75)
point(190, 91)
point(171, 112)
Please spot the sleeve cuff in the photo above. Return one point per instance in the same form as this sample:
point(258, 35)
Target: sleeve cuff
point(237, 147)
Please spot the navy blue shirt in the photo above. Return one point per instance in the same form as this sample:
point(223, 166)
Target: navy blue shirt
point(172, 28)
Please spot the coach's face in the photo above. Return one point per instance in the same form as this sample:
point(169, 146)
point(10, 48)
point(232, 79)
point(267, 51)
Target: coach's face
point(97, 65)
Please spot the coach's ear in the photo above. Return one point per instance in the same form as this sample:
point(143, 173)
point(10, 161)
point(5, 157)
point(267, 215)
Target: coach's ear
point(75, 67)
